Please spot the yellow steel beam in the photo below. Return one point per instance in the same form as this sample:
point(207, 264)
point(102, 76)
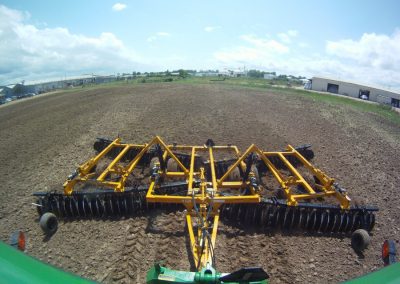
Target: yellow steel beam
point(296, 173)
point(238, 161)
point(231, 184)
point(110, 167)
point(172, 155)
point(175, 174)
point(86, 167)
point(278, 176)
point(191, 171)
point(237, 152)
point(327, 182)
point(322, 177)
point(214, 229)
point(200, 244)
point(199, 199)
point(212, 167)
point(131, 166)
point(311, 196)
point(150, 190)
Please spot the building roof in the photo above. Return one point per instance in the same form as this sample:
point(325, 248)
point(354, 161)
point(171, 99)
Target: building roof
point(69, 78)
point(358, 84)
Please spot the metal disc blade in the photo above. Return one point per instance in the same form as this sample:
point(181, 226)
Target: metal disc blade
point(61, 205)
point(370, 221)
point(100, 206)
point(343, 221)
point(312, 220)
point(350, 222)
point(336, 222)
point(325, 221)
point(129, 204)
point(79, 203)
point(320, 220)
point(74, 208)
point(87, 208)
point(296, 218)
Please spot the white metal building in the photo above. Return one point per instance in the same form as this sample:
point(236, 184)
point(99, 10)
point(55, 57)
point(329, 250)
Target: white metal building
point(355, 90)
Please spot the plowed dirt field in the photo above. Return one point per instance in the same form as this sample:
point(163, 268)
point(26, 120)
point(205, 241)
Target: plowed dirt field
point(45, 138)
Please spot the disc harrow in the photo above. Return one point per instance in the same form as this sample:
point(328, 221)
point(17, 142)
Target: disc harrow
point(103, 203)
point(266, 215)
point(268, 190)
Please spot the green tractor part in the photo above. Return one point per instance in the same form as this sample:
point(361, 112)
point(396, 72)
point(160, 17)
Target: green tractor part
point(162, 275)
point(17, 267)
point(388, 275)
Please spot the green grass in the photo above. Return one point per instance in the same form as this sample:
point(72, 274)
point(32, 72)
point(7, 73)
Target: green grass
point(383, 111)
point(245, 82)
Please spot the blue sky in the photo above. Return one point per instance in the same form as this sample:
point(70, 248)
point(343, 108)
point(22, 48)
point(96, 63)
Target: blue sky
point(356, 40)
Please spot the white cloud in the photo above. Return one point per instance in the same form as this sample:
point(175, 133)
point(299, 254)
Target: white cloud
point(263, 43)
point(259, 50)
point(210, 29)
point(287, 37)
point(163, 34)
point(157, 36)
point(303, 44)
point(372, 50)
point(34, 53)
point(292, 33)
point(284, 38)
point(373, 59)
point(119, 7)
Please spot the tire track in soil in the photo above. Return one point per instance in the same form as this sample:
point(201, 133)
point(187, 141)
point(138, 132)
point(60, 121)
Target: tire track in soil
point(128, 267)
point(155, 238)
point(170, 242)
point(245, 247)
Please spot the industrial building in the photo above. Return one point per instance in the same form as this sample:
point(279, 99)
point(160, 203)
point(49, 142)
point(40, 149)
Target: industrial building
point(27, 89)
point(355, 90)
point(42, 87)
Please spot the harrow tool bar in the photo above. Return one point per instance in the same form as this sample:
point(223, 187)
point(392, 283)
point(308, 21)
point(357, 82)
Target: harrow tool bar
point(208, 181)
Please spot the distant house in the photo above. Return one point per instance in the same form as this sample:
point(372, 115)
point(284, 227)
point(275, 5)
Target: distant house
point(231, 73)
point(3, 91)
point(355, 90)
point(104, 79)
point(39, 87)
point(2, 97)
point(239, 73)
point(18, 91)
point(269, 76)
point(207, 74)
point(13, 90)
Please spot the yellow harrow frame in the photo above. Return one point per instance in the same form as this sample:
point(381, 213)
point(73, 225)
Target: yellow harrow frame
point(206, 186)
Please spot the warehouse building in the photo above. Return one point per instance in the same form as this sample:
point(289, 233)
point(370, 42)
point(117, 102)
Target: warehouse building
point(28, 89)
point(48, 86)
point(355, 90)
